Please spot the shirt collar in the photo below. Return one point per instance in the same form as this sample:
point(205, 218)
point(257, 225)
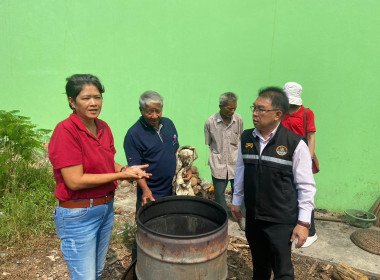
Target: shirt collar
point(148, 126)
point(256, 133)
point(159, 128)
point(76, 120)
point(218, 118)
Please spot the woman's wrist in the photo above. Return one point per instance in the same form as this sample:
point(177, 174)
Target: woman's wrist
point(123, 168)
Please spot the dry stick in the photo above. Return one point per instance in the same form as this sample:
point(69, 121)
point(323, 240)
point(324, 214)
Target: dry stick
point(336, 276)
point(324, 276)
point(242, 245)
point(347, 272)
point(330, 219)
point(312, 268)
point(231, 265)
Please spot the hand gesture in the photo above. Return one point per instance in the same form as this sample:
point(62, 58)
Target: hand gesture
point(136, 172)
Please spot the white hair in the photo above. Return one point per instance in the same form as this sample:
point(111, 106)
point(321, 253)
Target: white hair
point(150, 97)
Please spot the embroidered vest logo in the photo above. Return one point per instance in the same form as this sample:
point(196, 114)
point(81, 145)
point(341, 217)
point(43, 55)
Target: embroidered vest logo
point(281, 150)
point(248, 145)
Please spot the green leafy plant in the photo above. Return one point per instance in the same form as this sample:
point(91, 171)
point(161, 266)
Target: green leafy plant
point(19, 135)
point(129, 234)
point(26, 181)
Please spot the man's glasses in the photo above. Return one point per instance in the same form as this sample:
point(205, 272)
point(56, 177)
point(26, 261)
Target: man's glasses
point(260, 111)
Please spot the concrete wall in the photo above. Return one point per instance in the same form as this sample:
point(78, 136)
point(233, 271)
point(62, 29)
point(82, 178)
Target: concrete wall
point(191, 52)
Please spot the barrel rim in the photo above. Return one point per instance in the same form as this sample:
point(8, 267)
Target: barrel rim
point(181, 197)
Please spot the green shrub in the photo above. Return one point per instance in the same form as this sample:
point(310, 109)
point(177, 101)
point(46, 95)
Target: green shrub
point(19, 135)
point(129, 234)
point(26, 181)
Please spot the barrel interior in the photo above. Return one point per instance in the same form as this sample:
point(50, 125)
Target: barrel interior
point(182, 216)
point(181, 225)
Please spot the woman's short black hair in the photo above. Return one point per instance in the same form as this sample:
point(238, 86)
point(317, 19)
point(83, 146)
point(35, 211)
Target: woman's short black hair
point(76, 82)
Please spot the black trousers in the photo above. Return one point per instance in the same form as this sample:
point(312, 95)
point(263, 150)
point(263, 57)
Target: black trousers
point(270, 248)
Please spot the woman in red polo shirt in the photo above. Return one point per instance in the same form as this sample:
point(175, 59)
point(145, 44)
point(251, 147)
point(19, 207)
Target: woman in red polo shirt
point(294, 121)
point(82, 151)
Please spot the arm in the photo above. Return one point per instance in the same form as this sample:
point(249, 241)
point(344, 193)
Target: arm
point(134, 157)
point(118, 167)
point(207, 133)
point(147, 193)
point(241, 125)
point(305, 184)
point(310, 136)
point(75, 179)
point(66, 155)
point(238, 195)
point(310, 130)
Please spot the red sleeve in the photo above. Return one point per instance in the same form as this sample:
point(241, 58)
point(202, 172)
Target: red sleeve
point(64, 148)
point(310, 125)
point(112, 144)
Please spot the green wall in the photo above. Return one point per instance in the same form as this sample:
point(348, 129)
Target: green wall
point(191, 52)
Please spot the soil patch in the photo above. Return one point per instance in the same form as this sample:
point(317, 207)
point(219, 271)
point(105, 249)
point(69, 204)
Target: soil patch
point(47, 263)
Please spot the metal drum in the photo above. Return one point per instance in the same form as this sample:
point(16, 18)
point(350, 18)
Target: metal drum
point(182, 237)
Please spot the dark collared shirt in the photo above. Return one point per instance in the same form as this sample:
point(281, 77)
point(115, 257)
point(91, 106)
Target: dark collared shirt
point(145, 145)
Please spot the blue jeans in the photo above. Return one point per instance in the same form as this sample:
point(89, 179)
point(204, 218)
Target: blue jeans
point(85, 234)
point(220, 186)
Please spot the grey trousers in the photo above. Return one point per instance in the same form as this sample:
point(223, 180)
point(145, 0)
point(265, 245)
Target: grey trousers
point(220, 186)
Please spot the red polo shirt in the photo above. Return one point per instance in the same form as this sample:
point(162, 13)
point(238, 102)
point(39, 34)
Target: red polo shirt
point(72, 144)
point(294, 122)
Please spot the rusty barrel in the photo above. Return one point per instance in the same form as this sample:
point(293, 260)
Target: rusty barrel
point(182, 237)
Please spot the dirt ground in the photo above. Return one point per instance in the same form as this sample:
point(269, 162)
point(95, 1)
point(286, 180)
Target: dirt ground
point(47, 263)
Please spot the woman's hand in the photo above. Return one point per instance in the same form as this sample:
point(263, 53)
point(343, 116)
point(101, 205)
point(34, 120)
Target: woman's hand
point(75, 179)
point(135, 172)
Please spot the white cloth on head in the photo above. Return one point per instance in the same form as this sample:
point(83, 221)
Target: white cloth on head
point(293, 92)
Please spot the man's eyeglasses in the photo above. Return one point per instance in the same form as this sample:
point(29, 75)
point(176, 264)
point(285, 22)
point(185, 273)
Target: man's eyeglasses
point(260, 111)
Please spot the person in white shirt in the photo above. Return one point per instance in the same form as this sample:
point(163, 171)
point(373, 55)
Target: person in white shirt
point(222, 135)
point(273, 174)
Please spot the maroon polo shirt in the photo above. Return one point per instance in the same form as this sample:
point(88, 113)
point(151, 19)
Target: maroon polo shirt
point(72, 144)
